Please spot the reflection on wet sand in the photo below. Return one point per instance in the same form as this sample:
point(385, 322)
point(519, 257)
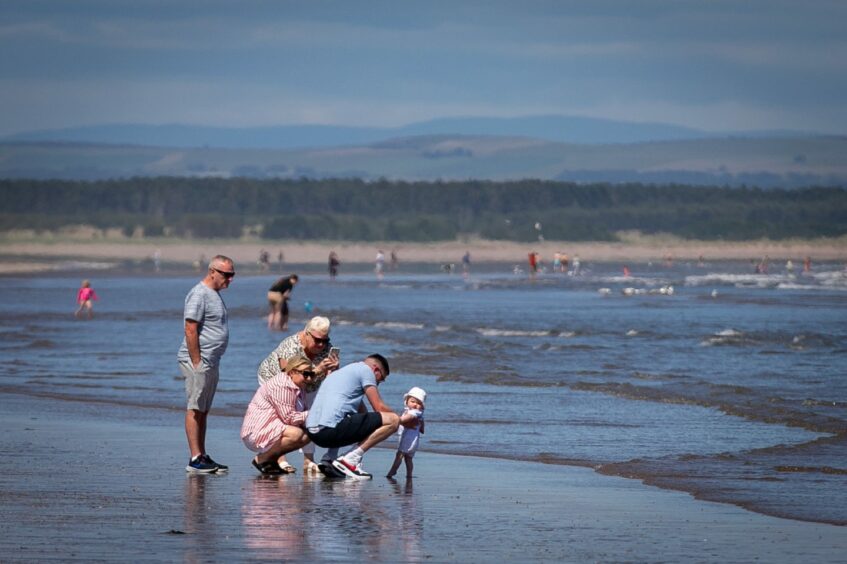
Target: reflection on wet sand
point(411, 519)
point(199, 524)
point(274, 513)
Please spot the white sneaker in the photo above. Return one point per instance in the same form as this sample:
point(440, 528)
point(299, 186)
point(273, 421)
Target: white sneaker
point(355, 472)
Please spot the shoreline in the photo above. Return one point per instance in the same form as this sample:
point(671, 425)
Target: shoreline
point(458, 508)
point(33, 256)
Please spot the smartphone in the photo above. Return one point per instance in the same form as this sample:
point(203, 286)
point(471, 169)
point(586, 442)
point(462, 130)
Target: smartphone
point(334, 351)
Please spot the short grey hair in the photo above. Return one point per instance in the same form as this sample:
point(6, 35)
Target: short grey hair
point(220, 259)
point(319, 324)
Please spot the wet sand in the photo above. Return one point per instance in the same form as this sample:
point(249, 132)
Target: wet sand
point(19, 255)
point(103, 482)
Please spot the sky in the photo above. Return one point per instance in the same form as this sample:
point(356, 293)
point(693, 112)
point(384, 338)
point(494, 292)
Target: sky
point(716, 65)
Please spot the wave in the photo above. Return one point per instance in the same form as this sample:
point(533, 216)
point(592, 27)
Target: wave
point(492, 332)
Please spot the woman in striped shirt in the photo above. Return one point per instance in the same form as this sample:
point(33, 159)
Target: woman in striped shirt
point(273, 424)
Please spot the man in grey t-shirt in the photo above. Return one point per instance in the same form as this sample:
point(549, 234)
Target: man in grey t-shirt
point(206, 338)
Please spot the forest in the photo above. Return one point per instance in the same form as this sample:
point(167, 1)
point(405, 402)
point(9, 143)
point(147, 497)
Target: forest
point(385, 210)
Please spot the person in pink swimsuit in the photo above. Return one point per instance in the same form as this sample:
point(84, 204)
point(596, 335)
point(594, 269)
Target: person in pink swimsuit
point(85, 298)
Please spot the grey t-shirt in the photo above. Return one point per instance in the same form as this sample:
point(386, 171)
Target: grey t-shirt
point(340, 394)
point(205, 306)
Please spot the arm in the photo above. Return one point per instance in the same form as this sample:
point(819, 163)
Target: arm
point(412, 419)
point(192, 341)
point(284, 402)
point(376, 400)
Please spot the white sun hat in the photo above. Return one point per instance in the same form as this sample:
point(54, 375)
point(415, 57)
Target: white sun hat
point(417, 393)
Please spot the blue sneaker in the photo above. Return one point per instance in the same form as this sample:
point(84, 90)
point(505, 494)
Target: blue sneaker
point(201, 464)
point(221, 467)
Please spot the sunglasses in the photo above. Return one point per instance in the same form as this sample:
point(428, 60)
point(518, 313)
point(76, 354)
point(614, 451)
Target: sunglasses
point(308, 374)
point(224, 273)
point(319, 340)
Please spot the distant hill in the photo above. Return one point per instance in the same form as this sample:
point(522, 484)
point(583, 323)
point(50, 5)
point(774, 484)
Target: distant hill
point(562, 129)
point(764, 162)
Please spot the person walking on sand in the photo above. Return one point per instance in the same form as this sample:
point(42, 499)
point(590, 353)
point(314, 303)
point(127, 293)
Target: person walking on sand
point(199, 356)
point(411, 428)
point(278, 296)
point(339, 417)
point(273, 424)
point(84, 299)
point(379, 264)
point(333, 265)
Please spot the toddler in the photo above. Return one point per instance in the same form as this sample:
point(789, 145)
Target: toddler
point(411, 428)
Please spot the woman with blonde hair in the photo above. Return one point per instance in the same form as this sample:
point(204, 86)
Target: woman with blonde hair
point(314, 344)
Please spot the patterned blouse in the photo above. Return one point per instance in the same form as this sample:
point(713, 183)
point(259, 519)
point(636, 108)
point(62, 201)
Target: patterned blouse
point(287, 349)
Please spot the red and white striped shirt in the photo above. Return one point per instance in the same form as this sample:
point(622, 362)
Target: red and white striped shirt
point(277, 403)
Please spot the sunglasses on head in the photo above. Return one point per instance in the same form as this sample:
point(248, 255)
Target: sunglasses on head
point(224, 273)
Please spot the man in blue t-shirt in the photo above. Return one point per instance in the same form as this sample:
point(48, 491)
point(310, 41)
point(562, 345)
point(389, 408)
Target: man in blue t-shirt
point(339, 417)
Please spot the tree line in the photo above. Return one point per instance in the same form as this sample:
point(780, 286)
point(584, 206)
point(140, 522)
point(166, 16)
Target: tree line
point(357, 210)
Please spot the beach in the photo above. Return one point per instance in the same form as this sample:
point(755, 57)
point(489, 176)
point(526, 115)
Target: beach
point(25, 252)
point(568, 418)
point(98, 482)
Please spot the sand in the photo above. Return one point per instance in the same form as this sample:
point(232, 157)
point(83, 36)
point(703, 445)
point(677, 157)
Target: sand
point(102, 482)
point(31, 255)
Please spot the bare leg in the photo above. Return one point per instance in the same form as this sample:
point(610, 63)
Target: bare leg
point(390, 423)
point(292, 439)
point(195, 431)
point(410, 465)
point(398, 456)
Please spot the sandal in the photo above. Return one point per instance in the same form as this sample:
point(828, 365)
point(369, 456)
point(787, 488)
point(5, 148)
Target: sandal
point(286, 468)
point(269, 468)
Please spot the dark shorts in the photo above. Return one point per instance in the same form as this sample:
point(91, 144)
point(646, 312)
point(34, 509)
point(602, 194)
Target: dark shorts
point(352, 429)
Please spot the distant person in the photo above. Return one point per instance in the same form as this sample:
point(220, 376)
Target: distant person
point(333, 265)
point(206, 339)
point(789, 266)
point(264, 260)
point(278, 296)
point(557, 262)
point(410, 430)
point(395, 261)
point(339, 417)
point(273, 424)
point(466, 263)
point(157, 260)
point(565, 262)
point(280, 259)
point(85, 299)
point(379, 264)
point(532, 259)
point(626, 272)
point(807, 264)
point(576, 263)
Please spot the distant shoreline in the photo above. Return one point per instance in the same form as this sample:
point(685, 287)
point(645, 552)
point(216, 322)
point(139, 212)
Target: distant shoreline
point(31, 255)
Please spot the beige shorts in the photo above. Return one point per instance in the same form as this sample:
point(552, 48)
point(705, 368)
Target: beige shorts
point(200, 385)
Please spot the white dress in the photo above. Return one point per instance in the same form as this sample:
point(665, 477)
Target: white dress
point(410, 437)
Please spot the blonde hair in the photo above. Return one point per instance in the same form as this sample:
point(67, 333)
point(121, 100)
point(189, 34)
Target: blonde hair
point(86, 284)
point(318, 324)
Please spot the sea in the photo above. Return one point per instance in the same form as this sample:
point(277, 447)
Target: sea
point(706, 378)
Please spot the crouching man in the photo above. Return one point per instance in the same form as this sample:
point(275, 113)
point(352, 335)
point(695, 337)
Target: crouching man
point(273, 424)
point(339, 417)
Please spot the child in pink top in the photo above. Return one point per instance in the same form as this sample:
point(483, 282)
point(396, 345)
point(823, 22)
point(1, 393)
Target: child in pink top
point(85, 298)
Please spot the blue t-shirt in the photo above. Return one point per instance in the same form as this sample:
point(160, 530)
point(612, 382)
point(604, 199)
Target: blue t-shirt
point(341, 393)
point(205, 306)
